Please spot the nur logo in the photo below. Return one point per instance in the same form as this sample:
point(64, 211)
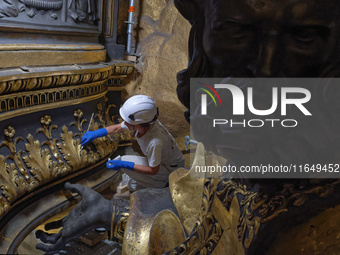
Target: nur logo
point(239, 99)
point(204, 98)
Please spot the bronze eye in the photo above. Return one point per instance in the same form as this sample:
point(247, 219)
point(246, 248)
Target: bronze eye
point(231, 29)
point(308, 35)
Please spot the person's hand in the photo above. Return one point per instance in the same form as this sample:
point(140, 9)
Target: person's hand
point(89, 136)
point(118, 164)
point(93, 211)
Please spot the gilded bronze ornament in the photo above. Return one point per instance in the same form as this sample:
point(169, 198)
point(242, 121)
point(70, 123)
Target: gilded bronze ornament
point(258, 208)
point(208, 231)
point(120, 215)
point(42, 162)
point(47, 90)
point(45, 82)
point(204, 239)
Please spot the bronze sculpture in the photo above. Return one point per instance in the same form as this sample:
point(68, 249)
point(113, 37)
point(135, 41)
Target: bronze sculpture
point(260, 39)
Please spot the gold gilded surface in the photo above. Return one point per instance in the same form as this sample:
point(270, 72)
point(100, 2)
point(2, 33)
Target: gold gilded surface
point(147, 208)
point(249, 222)
point(43, 78)
point(120, 215)
point(187, 192)
point(27, 102)
point(163, 237)
point(206, 232)
point(121, 225)
point(20, 112)
point(122, 69)
point(136, 239)
point(24, 170)
point(228, 218)
point(50, 57)
point(206, 236)
point(39, 89)
point(9, 47)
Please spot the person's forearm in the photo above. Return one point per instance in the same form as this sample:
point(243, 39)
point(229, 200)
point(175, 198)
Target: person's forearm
point(114, 129)
point(146, 169)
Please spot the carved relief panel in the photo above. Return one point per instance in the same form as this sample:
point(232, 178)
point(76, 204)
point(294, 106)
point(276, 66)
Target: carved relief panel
point(53, 15)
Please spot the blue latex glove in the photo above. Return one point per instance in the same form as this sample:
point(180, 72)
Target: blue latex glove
point(118, 164)
point(89, 136)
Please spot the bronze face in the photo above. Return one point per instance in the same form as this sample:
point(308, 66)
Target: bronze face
point(260, 38)
point(265, 38)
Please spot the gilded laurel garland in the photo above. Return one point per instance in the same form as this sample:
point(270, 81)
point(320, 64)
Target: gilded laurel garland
point(207, 231)
point(42, 162)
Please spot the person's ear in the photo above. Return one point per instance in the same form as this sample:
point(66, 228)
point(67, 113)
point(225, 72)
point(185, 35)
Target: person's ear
point(190, 9)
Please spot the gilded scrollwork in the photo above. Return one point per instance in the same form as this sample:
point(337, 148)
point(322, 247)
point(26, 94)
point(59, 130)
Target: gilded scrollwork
point(25, 170)
point(203, 240)
point(207, 231)
point(208, 198)
point(258, 208)
point(101, 112)
point(108, 116)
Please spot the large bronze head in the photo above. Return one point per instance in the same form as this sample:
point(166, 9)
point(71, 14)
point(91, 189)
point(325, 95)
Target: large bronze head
point(260, 38)
point(264, 38)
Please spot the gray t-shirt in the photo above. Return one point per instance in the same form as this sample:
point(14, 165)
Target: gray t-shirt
point(160, 148)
